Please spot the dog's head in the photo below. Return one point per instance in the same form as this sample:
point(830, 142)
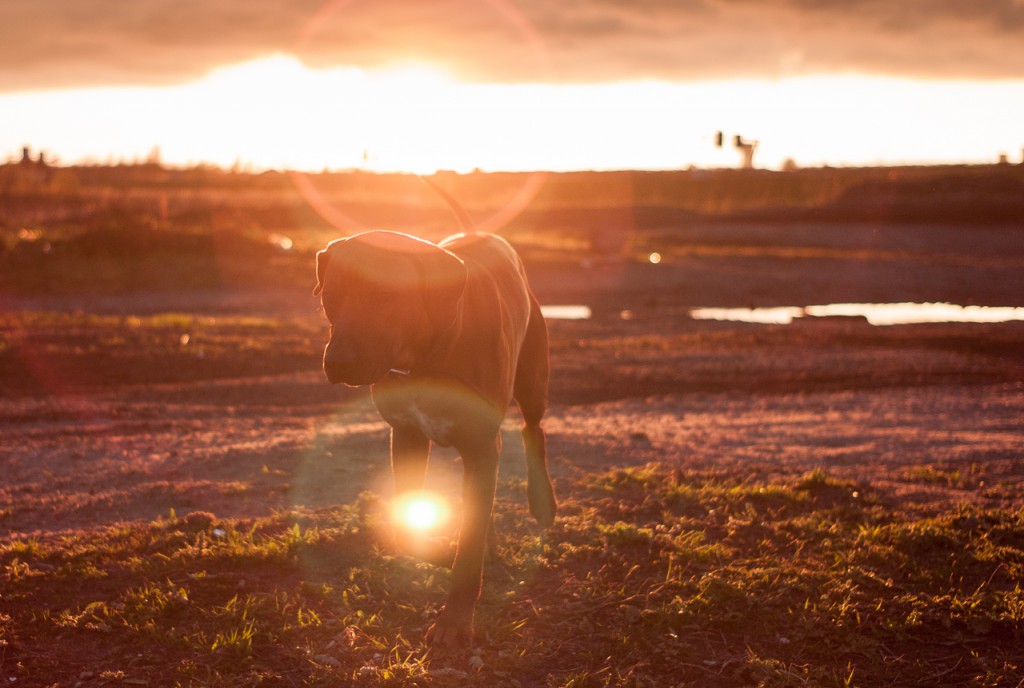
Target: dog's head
point(386, 295)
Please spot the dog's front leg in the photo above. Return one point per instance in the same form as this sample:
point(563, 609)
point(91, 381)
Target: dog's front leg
point(454, 625)
point(410, 451)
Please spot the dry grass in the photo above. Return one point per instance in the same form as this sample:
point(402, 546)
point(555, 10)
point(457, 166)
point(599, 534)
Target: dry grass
point(652, 577)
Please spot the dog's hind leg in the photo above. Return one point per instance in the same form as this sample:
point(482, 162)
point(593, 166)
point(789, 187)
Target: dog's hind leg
point(531, 394)
point(539, 490)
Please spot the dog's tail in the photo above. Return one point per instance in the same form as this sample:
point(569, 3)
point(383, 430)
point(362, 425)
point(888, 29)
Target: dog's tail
point(466, 223)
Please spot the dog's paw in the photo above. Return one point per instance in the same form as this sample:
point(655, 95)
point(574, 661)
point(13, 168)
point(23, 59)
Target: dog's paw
point(541, 496)
point(451, 631)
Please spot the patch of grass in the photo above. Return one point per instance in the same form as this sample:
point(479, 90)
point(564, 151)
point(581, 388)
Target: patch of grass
point(87, 350)
point(651, 576)
point(965, 477)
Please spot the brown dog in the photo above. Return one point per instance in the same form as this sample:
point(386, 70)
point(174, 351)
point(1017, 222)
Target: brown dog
point(447, 335)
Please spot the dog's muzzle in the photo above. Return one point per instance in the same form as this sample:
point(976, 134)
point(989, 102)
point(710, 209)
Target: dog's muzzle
point(344, 366)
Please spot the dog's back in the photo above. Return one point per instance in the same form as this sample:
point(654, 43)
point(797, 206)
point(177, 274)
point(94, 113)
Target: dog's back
point(496, 310)
point(493, 264)
point(492, 261)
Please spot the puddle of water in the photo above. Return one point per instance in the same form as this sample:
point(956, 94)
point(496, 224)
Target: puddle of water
point(763, 316)
point(574, 312)
point(874, 313)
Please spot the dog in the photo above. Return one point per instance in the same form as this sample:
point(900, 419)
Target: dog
point(447, 335)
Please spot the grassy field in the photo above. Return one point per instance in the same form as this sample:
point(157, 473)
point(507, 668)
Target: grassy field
point(652, 576)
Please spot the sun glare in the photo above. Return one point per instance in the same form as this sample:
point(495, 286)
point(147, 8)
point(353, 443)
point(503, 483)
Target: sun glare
point(276, 112)
point(421, 511)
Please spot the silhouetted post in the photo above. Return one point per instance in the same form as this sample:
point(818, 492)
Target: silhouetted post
point(746, 148)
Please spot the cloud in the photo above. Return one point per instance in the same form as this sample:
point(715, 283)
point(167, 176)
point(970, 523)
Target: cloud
point(62, 43)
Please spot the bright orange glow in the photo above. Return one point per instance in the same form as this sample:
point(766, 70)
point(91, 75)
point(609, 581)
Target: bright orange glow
point(277, 113)
point(421, 511)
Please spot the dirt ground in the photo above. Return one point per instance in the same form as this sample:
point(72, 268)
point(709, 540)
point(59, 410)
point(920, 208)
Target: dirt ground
point(123, 408)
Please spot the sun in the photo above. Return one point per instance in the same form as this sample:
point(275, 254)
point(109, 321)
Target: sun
point(273, 112)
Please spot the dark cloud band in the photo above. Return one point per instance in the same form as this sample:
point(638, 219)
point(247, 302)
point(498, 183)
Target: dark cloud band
point(61, 43)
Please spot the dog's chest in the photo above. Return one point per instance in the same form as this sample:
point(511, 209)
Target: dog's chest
point(435, 425)
point(408, 406)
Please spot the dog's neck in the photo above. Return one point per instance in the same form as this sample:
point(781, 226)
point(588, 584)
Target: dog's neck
point(435, 348)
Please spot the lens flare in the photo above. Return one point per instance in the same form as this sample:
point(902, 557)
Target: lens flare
point(420, 511)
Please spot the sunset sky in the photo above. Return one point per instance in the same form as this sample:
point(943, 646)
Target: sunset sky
point(512, 84)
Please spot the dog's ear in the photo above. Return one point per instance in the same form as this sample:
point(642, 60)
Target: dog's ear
point(322, 259)
point(444, 279)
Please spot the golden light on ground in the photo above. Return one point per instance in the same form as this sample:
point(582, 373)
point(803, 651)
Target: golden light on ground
point(421, 511)
point(276, 112)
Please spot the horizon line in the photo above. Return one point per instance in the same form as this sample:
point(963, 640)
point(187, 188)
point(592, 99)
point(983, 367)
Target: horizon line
point(255, 170)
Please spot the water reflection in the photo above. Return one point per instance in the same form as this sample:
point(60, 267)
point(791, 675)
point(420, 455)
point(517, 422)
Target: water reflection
point(874, 313)
point(763, 316)
point(574, 312)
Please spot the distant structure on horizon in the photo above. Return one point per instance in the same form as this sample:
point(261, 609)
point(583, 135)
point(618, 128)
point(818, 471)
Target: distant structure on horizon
point(26, 157)
point(746, 148)
point(32, 170)
point(1004, 159)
